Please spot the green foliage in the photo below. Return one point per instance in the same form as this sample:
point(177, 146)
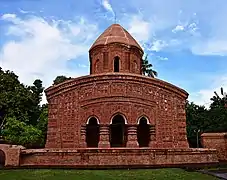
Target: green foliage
point(18, 100)
point(147, 68)
point(213, 119)
point(42, 123)
point(17, 132)
point(21, 103)
point(60, 79)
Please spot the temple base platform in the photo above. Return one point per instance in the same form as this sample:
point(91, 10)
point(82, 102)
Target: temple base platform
point(116, 157)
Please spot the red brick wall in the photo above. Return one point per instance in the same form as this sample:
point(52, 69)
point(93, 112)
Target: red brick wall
point(12, 154)
point(216, 141)
point(130, 58)
point(115, 157)
point(73, 102)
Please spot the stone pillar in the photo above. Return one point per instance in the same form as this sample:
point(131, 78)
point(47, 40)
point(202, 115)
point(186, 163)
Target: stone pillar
point(104, 136)
point(152, 136)
point(132, 136)
point(83, 143)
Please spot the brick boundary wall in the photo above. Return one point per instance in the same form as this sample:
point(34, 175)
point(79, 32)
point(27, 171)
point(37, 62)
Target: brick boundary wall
point(122, 157)
point(12, 154)
point(18, 156)
point(216, 141)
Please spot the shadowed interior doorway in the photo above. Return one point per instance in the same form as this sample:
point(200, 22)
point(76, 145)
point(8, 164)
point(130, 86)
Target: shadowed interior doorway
point(143, 133)
point(92, 133)
point(118, 132)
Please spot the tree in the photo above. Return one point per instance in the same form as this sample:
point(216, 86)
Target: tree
point(42, 124)
point(18, 100)
point(196, 120)
point(213, 119)
point(17, 132)
point(37, 92)
point(218, 112)
point(20, 103)
point(60, 79)
point(218, 101)
point(147, 68)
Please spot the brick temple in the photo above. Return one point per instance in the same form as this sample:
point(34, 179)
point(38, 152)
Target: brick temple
point(114, 117)
point(116, 106)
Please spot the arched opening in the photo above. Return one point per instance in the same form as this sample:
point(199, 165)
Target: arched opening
point(118, 132)
point(116, 64)
point(92, 132)
point(2, 159)
point(143, 132)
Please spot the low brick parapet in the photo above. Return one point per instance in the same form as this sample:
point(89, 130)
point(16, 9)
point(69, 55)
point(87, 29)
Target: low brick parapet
point(216, 141)
point(116, 157)
point(12, 154)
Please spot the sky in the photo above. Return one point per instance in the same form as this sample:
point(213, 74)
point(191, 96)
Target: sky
point(186, 41)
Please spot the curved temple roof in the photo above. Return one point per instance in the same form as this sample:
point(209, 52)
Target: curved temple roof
point(116, 33)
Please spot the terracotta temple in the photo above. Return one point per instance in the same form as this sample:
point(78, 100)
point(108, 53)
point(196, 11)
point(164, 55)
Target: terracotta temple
point(116, 106)
point(114, 117)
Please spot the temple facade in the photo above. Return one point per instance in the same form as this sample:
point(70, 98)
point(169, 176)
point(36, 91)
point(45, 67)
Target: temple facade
point(116, 106)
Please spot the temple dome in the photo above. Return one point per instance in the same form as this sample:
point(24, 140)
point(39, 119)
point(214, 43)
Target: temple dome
point(116, 33)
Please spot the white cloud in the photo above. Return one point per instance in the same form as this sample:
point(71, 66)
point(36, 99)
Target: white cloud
point(162, 58)
point(158, 45)
point(106, 4)
point(24, 12)
point(178, 28)
point(211, 47)
point(8, 16)
point(44, 48)
point(186, 22)
point(139, 28)
point(202, 97)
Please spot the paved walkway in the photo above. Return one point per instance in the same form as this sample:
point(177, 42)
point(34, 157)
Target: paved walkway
point(222, 174)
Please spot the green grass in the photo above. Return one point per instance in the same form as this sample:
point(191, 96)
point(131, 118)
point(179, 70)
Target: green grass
point(153, 174)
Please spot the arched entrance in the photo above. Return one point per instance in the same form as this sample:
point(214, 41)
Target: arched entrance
point(2, 159)
point(143, 132)
point(118, 132)
point(92, 132)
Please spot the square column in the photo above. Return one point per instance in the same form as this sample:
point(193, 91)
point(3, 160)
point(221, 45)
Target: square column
point(104, 137)
point(83, 143)
point(132, 136)
point(152, 136)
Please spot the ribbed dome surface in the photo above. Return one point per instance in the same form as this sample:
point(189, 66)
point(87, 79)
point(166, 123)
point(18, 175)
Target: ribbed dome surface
point(116, 33)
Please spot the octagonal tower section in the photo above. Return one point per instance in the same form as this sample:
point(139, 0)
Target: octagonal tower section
point(115, 51)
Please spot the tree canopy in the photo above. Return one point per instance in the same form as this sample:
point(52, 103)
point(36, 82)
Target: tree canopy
point(60, 79)
point(20, 109)
point(147, 68)
point(213, 119)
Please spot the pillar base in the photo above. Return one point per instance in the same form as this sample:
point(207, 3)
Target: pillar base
point(133, 144)
point(104, 144)
point(83, 144)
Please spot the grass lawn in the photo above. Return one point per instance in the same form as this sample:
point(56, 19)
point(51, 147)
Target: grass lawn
point(154, 174)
